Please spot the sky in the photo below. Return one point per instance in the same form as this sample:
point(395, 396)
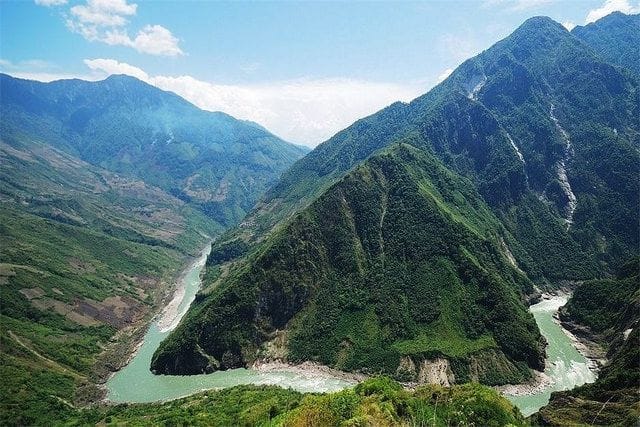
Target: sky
point(304, 70)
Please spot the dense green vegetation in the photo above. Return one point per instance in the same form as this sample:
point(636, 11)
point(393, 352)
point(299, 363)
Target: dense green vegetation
point(399, 260)
point(378, 401)
point(84, 254)
point(616, 38)
point(216, 163)
point(492, 122)
point(604, 305)
point(523, 169)
point(610, 308)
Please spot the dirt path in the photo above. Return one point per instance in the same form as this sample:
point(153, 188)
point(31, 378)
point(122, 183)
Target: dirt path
point(51, 363)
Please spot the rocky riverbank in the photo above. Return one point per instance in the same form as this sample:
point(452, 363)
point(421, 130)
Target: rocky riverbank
point(311, 369)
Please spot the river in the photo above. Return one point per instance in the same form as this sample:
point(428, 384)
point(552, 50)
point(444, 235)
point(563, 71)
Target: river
point(135, 383)
point(566, 367)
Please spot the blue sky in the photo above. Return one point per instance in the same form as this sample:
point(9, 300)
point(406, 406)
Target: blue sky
point(302, 69)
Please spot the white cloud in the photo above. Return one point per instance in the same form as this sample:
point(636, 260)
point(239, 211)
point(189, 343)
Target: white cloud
point(106, 21)
point(610, 6)
point(49, 3)
point(306, 111)
point(516, 5)
point(156, 40)
point(111, 66)
point(446, 73)
point(569, 25)
point(104, 13)
point(152, 39)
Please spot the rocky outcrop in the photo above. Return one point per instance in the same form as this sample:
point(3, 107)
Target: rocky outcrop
point(437, 371)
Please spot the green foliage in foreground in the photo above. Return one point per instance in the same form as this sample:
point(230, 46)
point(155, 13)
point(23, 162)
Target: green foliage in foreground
point(375, 402)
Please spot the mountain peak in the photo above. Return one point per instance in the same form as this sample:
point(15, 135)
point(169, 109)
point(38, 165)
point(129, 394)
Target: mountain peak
point(539, 26)
point(122, 78)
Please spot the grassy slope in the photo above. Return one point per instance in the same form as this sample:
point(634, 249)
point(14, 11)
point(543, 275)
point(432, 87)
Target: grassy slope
point(377, 401)
point(400, 258)
point(72, 234)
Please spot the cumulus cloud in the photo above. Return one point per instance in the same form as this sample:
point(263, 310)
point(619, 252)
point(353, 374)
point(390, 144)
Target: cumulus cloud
point(152, 39)
point(569, 25)
point(305, 111)
point(106, 21)
point(49, 3)
point(610, 6)
point(156, 40)
point(103, 13)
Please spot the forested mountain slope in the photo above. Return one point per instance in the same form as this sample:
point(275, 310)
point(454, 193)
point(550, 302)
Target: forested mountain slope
point(542, 133)
point(396, 265)
point(217, 163)
point(616, 38)
point(546, 129)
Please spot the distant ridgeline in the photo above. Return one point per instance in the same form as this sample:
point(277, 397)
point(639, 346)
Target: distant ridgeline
point(105, 189)
point(409, 242)
point(211, 160)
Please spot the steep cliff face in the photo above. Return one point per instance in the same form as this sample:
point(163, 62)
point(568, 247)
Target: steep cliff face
point(400, 259)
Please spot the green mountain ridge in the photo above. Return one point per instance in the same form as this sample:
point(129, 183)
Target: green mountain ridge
point(520, 121)
point(540, 130)
point(217, 163)
point(106, 190)
point(616, 38)
point(396, 265)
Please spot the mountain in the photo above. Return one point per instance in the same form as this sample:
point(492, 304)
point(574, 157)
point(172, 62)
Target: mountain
point(547, 130)
point(607, 311)
point(211, 160)
point(522, 173)
point(396, 265)
point(86, 256)
point(616, 38)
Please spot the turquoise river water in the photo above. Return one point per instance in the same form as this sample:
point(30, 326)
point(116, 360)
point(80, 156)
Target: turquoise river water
point(566, 367)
